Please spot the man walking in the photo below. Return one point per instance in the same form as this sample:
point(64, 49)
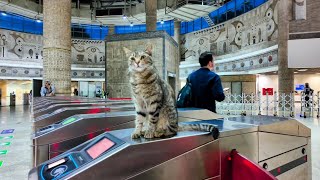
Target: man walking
point(206, 85)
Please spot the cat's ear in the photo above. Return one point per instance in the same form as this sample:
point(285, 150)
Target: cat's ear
point(127, 51)
point(149, 49)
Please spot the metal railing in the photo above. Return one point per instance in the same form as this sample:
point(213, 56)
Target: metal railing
point(284, 105)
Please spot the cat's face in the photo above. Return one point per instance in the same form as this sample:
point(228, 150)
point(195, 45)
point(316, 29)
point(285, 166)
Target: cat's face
point(138, 61)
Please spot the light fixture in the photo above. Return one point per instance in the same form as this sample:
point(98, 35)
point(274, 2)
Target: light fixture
point(162, 22)
point(124, 17)
point(302, 70)
point(131, 24)
point(38, 21)
point(295, 72)
point(3, 13)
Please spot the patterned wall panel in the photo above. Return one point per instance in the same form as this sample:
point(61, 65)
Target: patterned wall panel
point(254, 30)
point(88, 52)
point(37, 73)
point(22, 49)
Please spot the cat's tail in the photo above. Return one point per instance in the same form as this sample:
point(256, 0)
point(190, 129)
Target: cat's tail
point(205, 127)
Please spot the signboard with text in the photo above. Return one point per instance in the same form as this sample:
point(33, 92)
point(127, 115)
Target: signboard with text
point(267, 90)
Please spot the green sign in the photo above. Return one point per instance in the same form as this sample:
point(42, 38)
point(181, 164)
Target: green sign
point(1, 162)
point(5, 144)
point(4, 152)
point(68, 121)
point(8, 137)
point(1, 137)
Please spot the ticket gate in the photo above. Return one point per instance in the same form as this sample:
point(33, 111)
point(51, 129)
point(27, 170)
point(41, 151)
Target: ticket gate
point(54, 107)
point(44, 105)
point(63, 113)
point(57, 138)
point(279, 145)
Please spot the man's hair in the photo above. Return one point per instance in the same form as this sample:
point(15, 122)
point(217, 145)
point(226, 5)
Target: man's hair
point(205, 58)
point(48, 82)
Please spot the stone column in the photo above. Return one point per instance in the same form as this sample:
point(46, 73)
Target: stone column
point(111, 29)
point(177, 39)
point(285, 75)
point(57, 44)
point(151, 14)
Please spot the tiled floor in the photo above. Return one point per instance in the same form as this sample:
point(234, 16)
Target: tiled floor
point(17, 162)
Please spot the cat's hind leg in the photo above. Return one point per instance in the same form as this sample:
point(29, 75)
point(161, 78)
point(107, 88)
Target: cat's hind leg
point(154, 111)
point(168, 122)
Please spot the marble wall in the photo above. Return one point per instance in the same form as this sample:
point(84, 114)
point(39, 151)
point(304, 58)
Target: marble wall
point(165, 54)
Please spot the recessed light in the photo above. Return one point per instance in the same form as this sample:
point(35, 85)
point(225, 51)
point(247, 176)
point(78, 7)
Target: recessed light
point(3, 13)
point(161, 22)
point(131, 24)
point(124, 17)
point(38, 21)
point(302, 70)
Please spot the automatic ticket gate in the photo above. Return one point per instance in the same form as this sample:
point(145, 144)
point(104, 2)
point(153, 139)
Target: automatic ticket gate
point(44, 105)
point(63, 113)
point(281, 146)
point(57, 138)
point(54, 107)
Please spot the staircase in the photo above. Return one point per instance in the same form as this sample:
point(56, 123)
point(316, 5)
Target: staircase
point(209, 20)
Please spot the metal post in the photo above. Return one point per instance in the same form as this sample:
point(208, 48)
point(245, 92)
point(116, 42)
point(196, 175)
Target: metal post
point(259, 103)
point(252, 96)
point(243, 111)
point(267, 103)
point(275, 112)
point(301, 104)
point(318, 96)
point(283, 104)
point(292, 114)
point(311, 105)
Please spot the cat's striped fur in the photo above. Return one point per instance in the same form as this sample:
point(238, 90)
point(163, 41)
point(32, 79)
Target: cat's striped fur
point(153, 98)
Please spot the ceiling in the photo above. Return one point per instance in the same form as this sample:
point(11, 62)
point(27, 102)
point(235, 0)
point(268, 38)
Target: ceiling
point(106, 12)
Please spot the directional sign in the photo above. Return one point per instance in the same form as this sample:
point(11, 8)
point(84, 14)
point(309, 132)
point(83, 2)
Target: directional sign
point(3, 152)
point(1, 163)
point(5, 144)
point(7, 131)
point(8, 137)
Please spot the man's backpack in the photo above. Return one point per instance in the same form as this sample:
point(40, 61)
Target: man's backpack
point(185, 96)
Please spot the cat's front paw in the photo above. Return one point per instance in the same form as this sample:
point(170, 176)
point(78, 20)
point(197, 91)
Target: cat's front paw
point(135, 135)
point(149, 134)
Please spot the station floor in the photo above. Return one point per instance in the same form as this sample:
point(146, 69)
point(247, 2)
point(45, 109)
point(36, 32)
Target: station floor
point(16, 146)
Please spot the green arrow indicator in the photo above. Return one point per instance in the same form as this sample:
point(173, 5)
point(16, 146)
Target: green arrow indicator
point(4, 152)
point(8, 137)
point(68, 121)
point(1, 162)
point(5, 144)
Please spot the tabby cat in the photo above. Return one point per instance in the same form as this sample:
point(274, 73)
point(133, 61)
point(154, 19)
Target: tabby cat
point(154, 99)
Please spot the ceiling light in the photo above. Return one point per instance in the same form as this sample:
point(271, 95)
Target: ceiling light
point(295, 72)
point(3, 13)
point(38, 21)
point(131, 24)
point(302, 70)
point(162, 22)
point(124, 17)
